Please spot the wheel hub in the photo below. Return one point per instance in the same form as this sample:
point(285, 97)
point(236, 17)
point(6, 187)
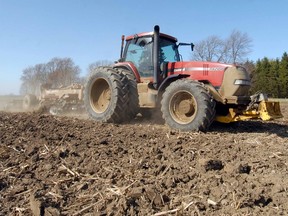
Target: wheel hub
point(183, 107)
point(100, 95)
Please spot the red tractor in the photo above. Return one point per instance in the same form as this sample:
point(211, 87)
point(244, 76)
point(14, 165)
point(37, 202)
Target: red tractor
point(191, 95)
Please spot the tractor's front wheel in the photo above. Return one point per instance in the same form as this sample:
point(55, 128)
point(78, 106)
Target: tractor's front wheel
point(187, 105)
point(106, 95)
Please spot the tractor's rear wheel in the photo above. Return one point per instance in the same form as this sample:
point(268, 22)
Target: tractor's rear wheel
point(188, 106)
point(133, 103)
point(29, 102)
point(106, 95)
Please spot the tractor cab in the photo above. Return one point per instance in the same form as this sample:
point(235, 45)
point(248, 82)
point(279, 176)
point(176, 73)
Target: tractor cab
point(151, 56)
point(140, 49)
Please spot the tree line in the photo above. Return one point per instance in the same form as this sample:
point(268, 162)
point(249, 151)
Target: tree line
point(271, 76)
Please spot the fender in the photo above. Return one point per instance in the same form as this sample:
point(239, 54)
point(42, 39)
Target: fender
point(166, 82)
point(129, 66)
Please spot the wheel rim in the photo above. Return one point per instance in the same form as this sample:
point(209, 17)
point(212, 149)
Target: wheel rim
point(183, 107)
point(100, 95)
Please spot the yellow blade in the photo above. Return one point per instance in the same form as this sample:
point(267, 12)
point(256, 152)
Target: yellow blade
point(269, 110)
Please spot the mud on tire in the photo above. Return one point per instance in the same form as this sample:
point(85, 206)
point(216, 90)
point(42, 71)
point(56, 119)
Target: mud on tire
point(106, 95)
point(188, 106)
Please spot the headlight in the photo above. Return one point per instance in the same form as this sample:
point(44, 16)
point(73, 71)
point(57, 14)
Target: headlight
point(242, 82)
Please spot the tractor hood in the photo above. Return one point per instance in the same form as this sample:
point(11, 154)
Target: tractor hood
point(212, 72)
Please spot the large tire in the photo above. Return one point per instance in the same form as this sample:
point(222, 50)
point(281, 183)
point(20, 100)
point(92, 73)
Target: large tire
point(106, 95)
point(133, 103)
point(187, 105)
point(29, 102)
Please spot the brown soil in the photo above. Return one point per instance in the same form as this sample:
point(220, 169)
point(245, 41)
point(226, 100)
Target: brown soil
point(70, 166)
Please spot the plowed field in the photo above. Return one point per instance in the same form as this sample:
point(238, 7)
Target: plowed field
point(61, 165)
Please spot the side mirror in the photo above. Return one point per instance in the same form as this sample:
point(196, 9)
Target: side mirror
point(192, 46)
point(187, 44)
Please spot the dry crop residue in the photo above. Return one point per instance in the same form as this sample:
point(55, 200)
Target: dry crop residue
point(67, 166)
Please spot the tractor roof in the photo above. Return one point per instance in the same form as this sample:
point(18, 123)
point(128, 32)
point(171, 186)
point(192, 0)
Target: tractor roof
point(147, 34)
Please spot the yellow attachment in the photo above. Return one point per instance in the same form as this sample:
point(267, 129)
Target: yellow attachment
point(267, 110)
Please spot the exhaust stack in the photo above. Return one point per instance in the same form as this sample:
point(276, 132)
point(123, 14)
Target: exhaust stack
point(156, 56)
point(122, 47)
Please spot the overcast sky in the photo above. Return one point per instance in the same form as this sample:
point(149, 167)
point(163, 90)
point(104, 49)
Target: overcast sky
point(35, 31)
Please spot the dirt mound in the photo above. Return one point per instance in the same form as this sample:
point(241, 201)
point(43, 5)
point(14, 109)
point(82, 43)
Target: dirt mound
point(67, 166)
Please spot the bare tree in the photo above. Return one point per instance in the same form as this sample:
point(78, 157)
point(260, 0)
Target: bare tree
point(58, 72)
point(209, 49)
point(239, 45)
point(32, 78)
point(29, 82)
point(62, 72)
point(200, 51)
point(234, 49)
point(99, 63)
